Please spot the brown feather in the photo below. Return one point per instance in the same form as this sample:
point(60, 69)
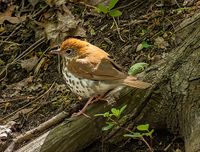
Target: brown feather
point(129, 81)
point(103, 70)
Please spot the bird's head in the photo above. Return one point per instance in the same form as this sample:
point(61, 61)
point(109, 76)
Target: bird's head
point(72, 48)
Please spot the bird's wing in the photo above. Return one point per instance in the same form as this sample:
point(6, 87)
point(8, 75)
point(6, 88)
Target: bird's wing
point(101, 69)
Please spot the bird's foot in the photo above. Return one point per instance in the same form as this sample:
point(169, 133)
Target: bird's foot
point(76, 114)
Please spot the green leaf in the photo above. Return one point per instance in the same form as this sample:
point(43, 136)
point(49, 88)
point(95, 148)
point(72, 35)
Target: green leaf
point(143, 32)
point(116, 112)
point(143, 45)
point(137, 68)
point(92, 32)
point(97, 115)
point(102, 8)
point(134, 135)
point(149, 133)
point(2, 62)
point(146, 45)
point(97, 10)
point(106, 114)
point(115, 13)
point(109, 126)
point(123, 108)
point(143, 127)
point(112, 4)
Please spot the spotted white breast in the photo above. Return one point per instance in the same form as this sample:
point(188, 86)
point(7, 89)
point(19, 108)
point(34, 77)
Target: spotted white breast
point(85, 87)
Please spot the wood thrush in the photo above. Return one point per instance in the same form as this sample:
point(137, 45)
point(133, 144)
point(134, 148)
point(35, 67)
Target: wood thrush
point(89, 72)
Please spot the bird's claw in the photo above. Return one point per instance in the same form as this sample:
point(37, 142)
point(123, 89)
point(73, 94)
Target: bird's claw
point(76, 114)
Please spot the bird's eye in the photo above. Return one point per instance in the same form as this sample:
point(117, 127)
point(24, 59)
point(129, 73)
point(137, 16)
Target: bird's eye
point(69, 51)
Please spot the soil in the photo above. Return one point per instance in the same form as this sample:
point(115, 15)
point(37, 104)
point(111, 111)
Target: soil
point(31, 97)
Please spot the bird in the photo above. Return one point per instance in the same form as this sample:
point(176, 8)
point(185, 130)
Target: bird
point(90, 73)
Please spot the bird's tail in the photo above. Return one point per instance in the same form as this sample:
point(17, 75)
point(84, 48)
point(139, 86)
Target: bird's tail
point(133, 82)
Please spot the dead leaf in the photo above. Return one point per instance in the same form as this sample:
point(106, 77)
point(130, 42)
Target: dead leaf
point(79, 31)
point(188, 2)
point(139, 47)
point(29, 64)
point(33, 2)
point(161, 43)
point(2, 29)
point(66, 19)
point(7, 16)
point(19, 85)
point(63, 25)
point(34, 87)
point(23, 112)
point(55, 2)
point(96, 2)
point(61, 2)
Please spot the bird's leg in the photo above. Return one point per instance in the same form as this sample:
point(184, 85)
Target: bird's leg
point(84, 108)
point(91, 100)
point(100, 97)
point(106, 96)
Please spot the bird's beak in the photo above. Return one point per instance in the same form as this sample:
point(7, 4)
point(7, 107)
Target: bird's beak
point(55, 51)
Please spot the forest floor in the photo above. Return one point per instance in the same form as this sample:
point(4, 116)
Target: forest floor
point(31, 86)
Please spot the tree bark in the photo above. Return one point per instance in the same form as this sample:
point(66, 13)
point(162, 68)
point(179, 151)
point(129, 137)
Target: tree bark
point(173, 102)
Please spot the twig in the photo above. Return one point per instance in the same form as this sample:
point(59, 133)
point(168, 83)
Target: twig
point(40, 11)
point(118, 30)
point(134, 22)
point(120, 7)
point(22, 7)
point(32, 133)
point(87, 5)
point(16, 99)
point(170, 144)
point(177, 3)
point(171, 23)
point(142, 138)
point(59, 64)
point(10, 42)
point(29, 49)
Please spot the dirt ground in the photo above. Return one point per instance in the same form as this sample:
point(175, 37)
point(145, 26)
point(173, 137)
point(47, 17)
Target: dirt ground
point(31, 86)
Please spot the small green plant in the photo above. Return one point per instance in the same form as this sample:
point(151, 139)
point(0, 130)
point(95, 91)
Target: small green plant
point(142, 131)
point(109, 9)
point(143, 45)
point(143, 32)
point(113, 117)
